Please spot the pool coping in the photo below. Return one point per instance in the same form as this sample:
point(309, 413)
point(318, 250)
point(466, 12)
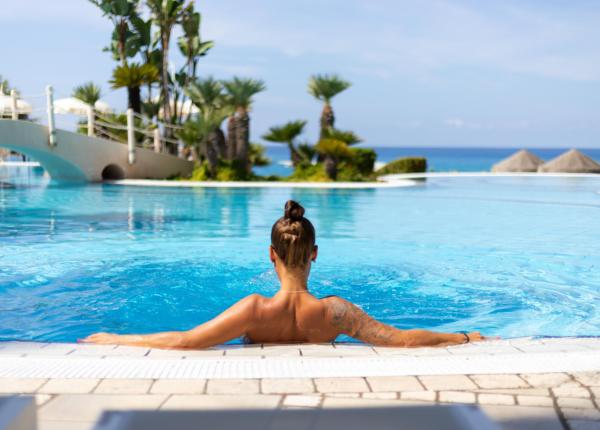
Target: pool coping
point(513, 356)
point(387, 181)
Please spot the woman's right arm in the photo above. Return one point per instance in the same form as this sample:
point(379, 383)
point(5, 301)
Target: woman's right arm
point(352, 321)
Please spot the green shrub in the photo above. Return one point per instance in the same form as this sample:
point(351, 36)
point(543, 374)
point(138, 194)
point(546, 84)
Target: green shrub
point(363, 160)
point(309, 172)
point(404, 165)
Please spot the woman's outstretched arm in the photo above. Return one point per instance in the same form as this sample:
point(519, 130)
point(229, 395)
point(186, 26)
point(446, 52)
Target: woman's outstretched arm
point(232, 323)
point(353, 321)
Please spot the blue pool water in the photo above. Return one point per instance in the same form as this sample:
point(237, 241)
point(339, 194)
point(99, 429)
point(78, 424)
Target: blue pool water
point(507, 256)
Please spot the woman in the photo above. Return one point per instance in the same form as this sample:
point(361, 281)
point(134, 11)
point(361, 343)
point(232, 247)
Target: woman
point(293, 314)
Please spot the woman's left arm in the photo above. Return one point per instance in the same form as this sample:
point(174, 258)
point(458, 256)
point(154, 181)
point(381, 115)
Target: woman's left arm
point(232, 323)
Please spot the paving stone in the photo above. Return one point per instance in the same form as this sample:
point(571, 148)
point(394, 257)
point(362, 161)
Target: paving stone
point(178, 386)
point(428, 352)
point(523, 417)
point(20, 385)
point(232, 386)
point(456, 397)
point(381, 395)
point(595, 392)
point(584, 425)
point(344, 395)
point(340, 402)
point(88, 407)
point(591, 379)
point(425, 396)
point(222, 401)
point(495, 399)
point(581, 414)
point(354, 350)
point(287, 385)
point(244, 351)
point(166, 353)
point(281, 351)
point(521, 391)
point(535, 401)
point(53, 349)
point(546, 380)
point(128, 351)
point(203, 353)
point(65, 425)
point(447, 382)
point(571, 402)
point(320, 351)
point(305, 401)
point(571, 389)
point(123, 386)
point(341, 385)
point(92, 350)
point(394, 383)
point(69, 386)
point(499, 381)
point(22, 347)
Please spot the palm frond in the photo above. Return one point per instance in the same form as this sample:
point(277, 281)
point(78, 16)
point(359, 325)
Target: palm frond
point(333, 147)
point(134, 75)
point(325, 87)
point(286, 133)
point(242, 90)
point(348, 137)
point(88, 93)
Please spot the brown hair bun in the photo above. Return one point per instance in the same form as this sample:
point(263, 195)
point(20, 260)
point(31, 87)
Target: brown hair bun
point(293, 211)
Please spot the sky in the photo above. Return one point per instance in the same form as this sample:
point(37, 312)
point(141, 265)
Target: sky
point(424, 73)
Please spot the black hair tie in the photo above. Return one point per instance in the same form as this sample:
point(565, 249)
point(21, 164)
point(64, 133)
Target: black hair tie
point(468, 339)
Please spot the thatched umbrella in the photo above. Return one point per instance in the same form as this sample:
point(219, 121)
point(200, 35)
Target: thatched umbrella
point(571, 161)
point(520, 161)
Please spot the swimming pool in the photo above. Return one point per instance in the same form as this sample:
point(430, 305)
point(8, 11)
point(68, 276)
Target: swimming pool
point(507, 256)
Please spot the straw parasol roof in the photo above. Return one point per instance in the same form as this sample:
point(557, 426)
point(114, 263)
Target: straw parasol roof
point(75, 106)
point(520, 161)
point(571, 161)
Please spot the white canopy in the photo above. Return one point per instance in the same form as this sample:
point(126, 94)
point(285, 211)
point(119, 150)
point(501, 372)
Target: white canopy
point(185, 108)
point(75, 106)
point(23, 108)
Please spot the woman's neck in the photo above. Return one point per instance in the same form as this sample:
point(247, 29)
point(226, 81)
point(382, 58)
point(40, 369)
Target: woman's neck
point(293, 282)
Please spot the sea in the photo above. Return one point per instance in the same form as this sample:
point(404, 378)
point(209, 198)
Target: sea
point(438, 159)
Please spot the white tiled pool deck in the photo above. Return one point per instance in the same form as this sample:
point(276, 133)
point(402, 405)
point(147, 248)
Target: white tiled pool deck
point(519, 382)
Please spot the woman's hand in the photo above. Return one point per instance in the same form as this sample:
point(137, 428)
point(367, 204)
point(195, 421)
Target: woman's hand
point(102, 338)
point(475, 336)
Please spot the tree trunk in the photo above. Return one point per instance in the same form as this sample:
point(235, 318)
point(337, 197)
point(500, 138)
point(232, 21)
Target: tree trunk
point(327, 122)
point(243, 138)
point(164, 91)
point(327, 119)
point(294, 155)
point(231, 138)
point(211, 154)
point(221, 143)
point(134, 99)
point(330, 164)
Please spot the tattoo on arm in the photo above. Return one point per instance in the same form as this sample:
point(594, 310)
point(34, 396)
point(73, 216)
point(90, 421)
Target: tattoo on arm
point(351, 320)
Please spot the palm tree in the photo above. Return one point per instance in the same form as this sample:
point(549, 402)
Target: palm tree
point(241, 92)
point(166, 14)
point(325, 88)
point(207, 95)
point(334, 147)
point(133, 76)
point(88, 93)
point(287, 134)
